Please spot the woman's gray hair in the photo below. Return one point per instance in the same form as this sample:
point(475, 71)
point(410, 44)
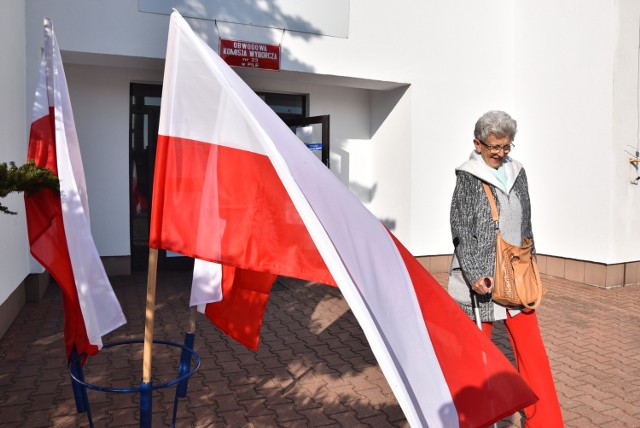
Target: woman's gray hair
point(495, 122)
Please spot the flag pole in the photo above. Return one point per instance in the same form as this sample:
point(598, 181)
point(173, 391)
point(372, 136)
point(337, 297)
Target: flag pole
point(149, 314)
point(145, 384)
point(185, 358)
point(192, 319)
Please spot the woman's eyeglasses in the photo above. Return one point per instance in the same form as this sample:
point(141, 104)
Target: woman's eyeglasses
point(496, 149)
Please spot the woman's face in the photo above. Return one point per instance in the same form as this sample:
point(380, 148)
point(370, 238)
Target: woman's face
point(492, 151)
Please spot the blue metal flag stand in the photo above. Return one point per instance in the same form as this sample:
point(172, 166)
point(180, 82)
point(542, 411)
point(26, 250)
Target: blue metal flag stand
point(146, 384)
point(75, 370)
point(185, 358)
point(185, 364)
point(145, 389)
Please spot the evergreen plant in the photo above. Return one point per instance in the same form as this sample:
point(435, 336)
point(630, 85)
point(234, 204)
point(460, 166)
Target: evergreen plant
point(27, 178)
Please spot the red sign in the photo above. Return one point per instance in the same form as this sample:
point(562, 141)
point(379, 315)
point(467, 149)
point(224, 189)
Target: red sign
point(238, 53)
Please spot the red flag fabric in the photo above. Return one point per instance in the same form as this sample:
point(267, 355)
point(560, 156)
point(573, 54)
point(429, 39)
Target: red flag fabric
point(251, 216)
point(58, 226)
point(240, 312)
point(233, 185)
point(439, 312)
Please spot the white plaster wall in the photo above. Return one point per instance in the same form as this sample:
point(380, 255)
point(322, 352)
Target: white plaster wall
point(377, 40)
point(100, 100)
point(105, 27)
point(564, 103)
point(465, 70)
point(14, 248)
point(625, 197)
point(390, 184)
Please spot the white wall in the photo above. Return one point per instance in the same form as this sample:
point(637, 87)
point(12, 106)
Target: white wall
point(465, 70)
point(563, 70)
point(14, 249)
point(625, 197)
point(103, 27)
point(389, 181)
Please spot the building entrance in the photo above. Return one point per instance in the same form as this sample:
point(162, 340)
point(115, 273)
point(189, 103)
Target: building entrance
point(143, 126)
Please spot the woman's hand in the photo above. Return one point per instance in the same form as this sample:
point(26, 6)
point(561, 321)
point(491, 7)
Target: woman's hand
point(483, 285)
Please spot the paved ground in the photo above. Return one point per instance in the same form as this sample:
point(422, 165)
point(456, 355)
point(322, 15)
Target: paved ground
point(313, 368)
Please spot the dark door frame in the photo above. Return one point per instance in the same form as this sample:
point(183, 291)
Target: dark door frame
point(323, 120)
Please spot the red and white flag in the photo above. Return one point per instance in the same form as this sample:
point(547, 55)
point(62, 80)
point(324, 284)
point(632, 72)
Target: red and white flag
point(58, 225)
point(233, 185)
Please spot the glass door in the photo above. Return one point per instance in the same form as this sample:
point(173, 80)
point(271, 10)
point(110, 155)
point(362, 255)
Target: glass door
point(314, 133)
point(144, 121)
point(143, 136)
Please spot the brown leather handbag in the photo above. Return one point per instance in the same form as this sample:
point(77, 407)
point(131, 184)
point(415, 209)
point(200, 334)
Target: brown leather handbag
point(517, 279)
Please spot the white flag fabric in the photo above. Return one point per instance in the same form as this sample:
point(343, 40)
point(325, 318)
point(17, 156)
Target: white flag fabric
point(206, 286)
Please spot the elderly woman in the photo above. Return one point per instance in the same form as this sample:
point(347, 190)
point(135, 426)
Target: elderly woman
point(473, 263)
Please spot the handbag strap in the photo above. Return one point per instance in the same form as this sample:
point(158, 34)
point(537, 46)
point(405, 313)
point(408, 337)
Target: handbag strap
point(539, 290)
point(534, 265)
point(492, 202)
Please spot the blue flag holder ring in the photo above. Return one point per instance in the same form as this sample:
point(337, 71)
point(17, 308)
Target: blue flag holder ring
point(146, 388)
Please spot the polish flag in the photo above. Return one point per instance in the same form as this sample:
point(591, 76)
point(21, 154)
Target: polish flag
point(58, 225)
point(233, 185)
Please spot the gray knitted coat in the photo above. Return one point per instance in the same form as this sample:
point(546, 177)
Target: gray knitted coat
point(473, 231)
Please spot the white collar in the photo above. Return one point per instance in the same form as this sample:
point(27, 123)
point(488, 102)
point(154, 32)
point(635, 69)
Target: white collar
point(478, 168)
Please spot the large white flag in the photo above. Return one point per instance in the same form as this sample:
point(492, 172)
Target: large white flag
point(235, 186)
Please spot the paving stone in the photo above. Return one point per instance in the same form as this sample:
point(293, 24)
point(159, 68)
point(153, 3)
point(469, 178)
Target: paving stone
point(17, 397)
point(304, 402)
point(255, 408)
point(15, 413)
point(316, 418)
point(376, 421)
point(284, 414)
point(205, 416)
point(261, 421)
point(394, 412)
point(619, 415)
point(346, 419)
point(38, 418)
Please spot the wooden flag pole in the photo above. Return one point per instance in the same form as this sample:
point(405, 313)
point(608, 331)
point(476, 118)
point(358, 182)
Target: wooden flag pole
point(149, 315)
point(192, 319)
